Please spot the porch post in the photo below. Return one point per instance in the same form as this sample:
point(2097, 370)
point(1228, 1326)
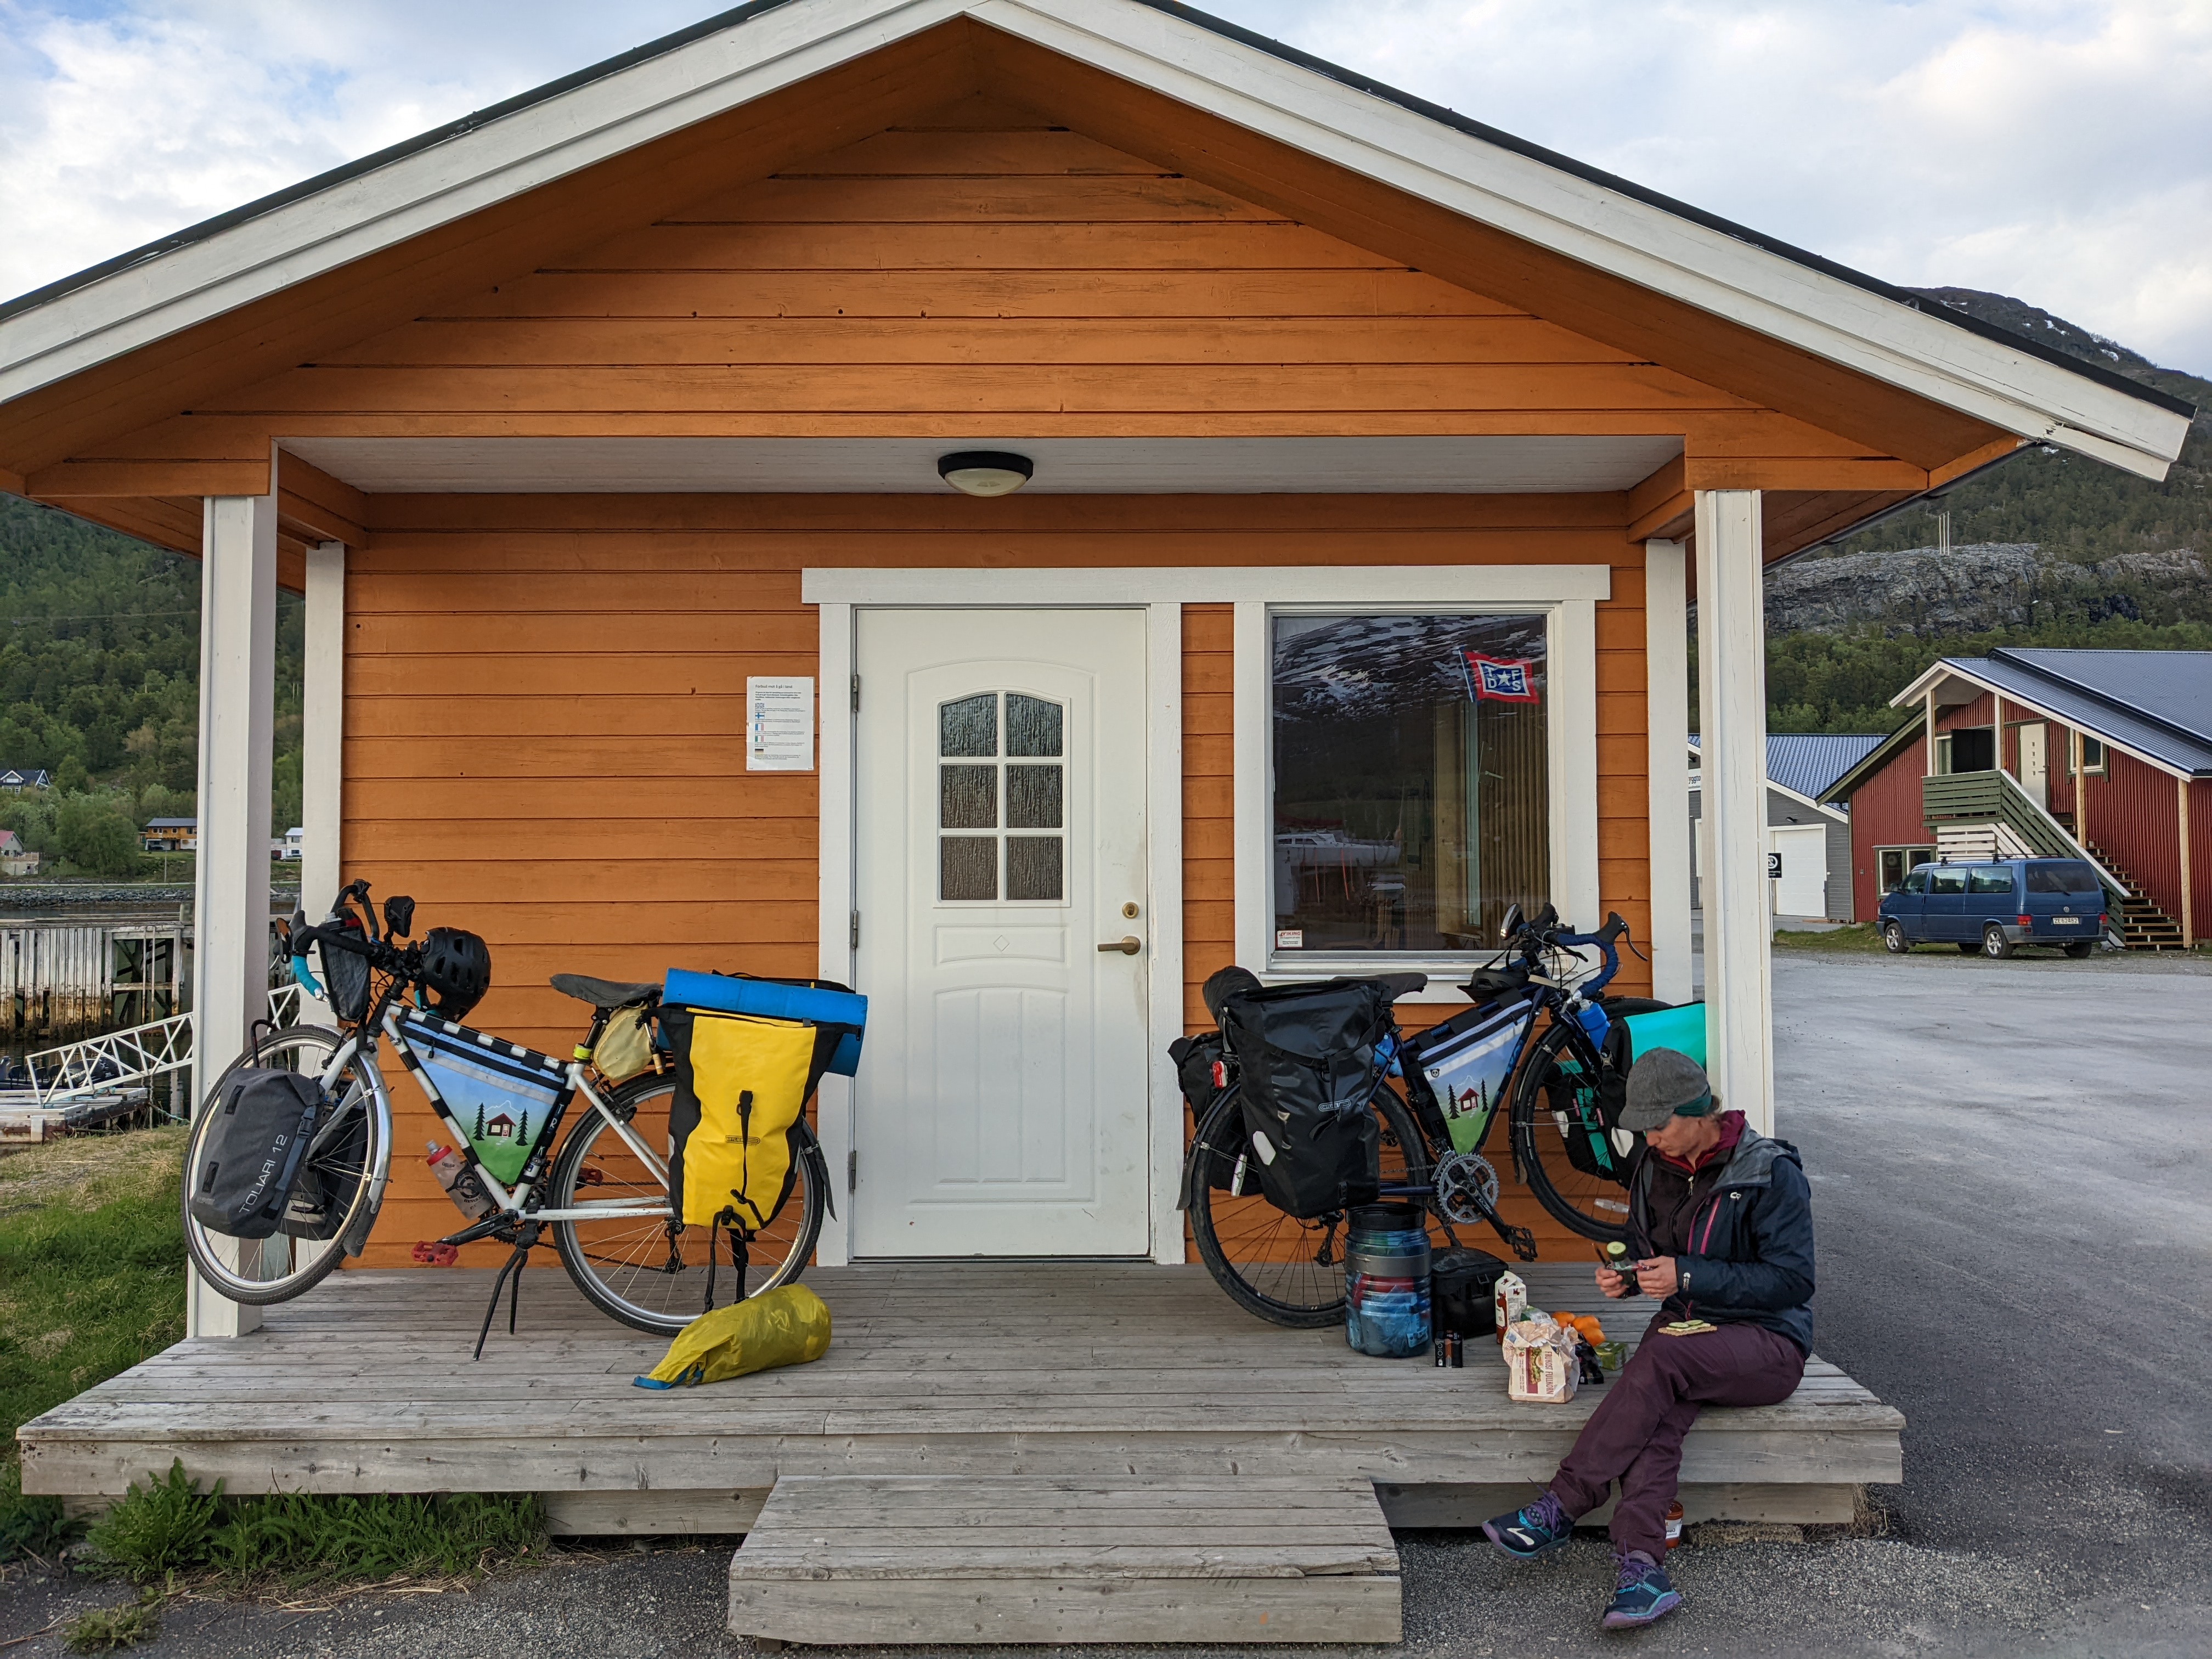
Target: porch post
point(230, 958)
point(1667, 704)
point(1732, 716)
point(2188, 898)
point(321, 738)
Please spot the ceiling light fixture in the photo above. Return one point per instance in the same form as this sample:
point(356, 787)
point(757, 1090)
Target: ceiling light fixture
point(985, 472)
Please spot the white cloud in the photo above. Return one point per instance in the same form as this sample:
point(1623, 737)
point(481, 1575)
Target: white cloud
point(2059, 150)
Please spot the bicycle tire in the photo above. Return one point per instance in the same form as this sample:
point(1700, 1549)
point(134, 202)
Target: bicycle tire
point(1282, 1269)
point(621, 1265)
point(1568, 1195)
point(326, 1253)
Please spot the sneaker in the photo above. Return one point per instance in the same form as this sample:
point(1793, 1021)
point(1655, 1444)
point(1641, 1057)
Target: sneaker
point(1527, 1534)
point(1644, 1593)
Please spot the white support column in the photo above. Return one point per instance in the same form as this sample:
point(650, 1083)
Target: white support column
point(1667, 703)
point(1732, 720)
point(322, 739)
point(230, 957)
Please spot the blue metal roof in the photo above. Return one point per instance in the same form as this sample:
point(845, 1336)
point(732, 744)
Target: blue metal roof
point(1809, 761)
point(2158, 703)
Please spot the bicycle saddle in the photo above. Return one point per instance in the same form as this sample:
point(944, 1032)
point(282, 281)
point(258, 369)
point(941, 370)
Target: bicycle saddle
point(603, 992)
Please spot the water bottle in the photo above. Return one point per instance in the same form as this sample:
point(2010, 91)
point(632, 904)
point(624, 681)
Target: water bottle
point(461, 1182)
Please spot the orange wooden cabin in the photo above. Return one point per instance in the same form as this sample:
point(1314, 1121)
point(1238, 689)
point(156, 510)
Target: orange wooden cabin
point(573, 418)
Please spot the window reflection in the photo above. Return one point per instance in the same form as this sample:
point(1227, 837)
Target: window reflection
point(1412, 802)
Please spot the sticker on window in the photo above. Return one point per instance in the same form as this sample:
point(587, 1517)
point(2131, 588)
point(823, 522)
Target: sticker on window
point(1289, 938)
point(1495, 679)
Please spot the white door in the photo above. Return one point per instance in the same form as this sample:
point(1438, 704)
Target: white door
point(2035, 762)
point(998, 794)
point(1801, 889)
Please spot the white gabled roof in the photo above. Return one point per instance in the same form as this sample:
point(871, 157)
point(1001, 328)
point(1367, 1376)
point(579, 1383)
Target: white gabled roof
point(1606, 223)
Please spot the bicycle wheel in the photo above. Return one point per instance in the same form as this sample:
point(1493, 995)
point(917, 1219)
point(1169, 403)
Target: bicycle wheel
point(347, 1151)
point(649, 1272)
point(1555, 1096)
point(1287, 1271)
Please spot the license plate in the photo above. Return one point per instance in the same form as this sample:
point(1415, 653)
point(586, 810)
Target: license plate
point(2066, 922)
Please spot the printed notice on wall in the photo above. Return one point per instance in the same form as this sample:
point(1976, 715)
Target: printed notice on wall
point(779, 723)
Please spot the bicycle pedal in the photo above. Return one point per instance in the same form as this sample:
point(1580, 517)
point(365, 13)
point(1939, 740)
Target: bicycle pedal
point(436, 1256)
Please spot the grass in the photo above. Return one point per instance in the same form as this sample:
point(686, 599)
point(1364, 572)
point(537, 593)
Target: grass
point(1859, 937)
point(92, 1281)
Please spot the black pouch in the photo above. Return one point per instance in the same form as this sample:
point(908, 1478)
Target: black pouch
point(346, 975)
point(1201, 1066)
point(1307, 1058)
point(250, 1158)
point(1463, 1290)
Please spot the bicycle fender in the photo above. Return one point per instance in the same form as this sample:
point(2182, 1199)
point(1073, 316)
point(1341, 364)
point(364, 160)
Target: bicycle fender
point(818, 1165)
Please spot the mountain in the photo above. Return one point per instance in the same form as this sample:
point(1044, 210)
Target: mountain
point(2047, 548)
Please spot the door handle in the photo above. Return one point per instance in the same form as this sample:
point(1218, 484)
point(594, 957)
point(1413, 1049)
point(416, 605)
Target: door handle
point(1127, 947)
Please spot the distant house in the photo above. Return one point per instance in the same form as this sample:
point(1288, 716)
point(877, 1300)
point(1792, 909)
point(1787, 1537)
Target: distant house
point(171, 835)
point(2103, 755)
point(1809, 844)
point(26, 777)
point(294, 845)
point(14, 859)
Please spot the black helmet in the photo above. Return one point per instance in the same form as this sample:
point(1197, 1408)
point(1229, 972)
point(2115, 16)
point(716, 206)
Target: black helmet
point(456, 971)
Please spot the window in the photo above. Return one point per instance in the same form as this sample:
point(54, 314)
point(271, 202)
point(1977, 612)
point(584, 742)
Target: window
point(1410, 770)
point(1000, 792)
point(1946, 878)
point(1917, 882)
point(1897, 863)
point(1989, 880)
point(2061, 875)
point(2092, 754)
point(1973, 749)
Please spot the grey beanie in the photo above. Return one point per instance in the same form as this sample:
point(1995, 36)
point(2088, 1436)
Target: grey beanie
point(1663, 1083)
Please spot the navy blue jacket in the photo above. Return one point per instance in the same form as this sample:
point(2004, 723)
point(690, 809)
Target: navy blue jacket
point(1751, 1241)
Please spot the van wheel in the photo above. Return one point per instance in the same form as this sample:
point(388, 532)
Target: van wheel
point(1894, 939)
point(1995, 944)
point(2080, 952)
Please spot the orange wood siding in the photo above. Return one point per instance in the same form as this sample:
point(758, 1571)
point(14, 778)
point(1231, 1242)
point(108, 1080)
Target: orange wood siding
point(544, 707)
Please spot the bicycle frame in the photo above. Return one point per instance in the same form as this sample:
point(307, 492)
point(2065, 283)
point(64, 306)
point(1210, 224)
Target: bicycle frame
point(515, 1203)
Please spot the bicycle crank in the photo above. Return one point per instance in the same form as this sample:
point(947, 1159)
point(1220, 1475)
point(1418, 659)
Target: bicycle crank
point(1467, 1189)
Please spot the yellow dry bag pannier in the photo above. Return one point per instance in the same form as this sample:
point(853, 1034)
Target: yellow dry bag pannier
point(749, 1077)
point(787, 1326)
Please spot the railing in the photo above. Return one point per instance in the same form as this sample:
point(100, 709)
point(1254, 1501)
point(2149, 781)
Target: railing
point(1996, 797)
point(99, 1064)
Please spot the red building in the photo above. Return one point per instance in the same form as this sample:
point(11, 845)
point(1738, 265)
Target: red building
point(2103, 755)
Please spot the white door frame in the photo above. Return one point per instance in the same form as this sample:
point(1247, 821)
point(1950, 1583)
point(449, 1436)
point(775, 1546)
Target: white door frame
point(1163, 853)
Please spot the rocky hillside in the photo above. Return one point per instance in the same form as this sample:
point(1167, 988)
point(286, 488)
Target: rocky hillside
point(1982, 588)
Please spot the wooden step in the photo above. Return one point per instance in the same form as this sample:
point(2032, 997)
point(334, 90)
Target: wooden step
point(846, 1559)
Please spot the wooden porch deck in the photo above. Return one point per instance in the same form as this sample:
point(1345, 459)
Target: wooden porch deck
point(1058, 1368)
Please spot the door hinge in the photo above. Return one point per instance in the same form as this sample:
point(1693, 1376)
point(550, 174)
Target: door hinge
point(852, 1170)
point(856, 930)
point(856, 694)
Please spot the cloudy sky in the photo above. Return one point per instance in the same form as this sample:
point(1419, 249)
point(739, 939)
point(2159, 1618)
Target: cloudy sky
point(2058, 150)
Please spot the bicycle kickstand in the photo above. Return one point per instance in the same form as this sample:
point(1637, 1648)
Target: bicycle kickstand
point(509, 1279)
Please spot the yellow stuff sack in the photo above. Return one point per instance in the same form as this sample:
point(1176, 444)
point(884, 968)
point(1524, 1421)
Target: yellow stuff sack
point(789, 1325)
point(750, 1078)
point(625, 1048)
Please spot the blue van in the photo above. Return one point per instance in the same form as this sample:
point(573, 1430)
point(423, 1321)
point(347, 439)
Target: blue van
point(1996, 907)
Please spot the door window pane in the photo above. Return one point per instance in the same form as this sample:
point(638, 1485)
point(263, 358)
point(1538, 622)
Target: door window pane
point(1033, 865)
point(1033, 797)
point(1032, 726)
point(1413, 798)
point(970, 727)
point(967, 796)
point(1990, 879)
point(1951, 879)
point(968, 867)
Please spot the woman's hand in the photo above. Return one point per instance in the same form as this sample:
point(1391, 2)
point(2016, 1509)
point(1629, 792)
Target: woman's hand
point(1657, 1277)
point(1614, 1285)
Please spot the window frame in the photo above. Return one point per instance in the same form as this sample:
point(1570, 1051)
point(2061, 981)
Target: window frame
point(1570, 733)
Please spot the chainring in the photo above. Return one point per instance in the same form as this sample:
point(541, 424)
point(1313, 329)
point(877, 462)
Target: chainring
point(1467, 1189)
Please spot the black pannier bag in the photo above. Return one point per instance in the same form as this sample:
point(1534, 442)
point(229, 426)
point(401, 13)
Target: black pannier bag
point(323, 1190)
point(1201, 1064)
point(1570, 1095)
point(1306, 1055)
point(1463, 1290)
point(250, 1159)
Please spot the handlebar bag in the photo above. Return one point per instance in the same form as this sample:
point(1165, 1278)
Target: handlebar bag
point(1308, 1057)
point(500, 1093)
point(250, 1159)
point(346, 973)
point(1457, 1070)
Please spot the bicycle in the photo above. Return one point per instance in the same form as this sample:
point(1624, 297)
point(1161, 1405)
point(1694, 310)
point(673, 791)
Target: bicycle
point(1555, 1086)
point(603, 1193)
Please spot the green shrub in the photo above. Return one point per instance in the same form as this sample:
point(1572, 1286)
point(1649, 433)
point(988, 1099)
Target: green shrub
point(28, 1526)
point(105, 1629)
point(165, 1526)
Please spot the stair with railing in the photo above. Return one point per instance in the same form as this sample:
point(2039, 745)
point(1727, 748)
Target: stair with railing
point(2020, 827)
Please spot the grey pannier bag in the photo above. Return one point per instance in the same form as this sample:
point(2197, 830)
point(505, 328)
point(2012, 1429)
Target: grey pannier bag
point(250, 1158)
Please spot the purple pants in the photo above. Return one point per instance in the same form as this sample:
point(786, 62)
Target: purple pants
point(1635, 1435)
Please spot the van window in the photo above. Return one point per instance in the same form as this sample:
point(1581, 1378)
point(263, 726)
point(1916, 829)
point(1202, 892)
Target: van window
point(2061, 875)
point(1989, 879)
point(1947, 879)
point(1917, 882)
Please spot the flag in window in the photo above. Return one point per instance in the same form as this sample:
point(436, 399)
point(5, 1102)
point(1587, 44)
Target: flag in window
point(1499, 679)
